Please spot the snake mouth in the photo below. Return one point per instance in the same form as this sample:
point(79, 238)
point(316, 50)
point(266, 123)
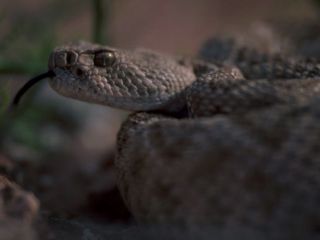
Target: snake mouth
point(29, 84)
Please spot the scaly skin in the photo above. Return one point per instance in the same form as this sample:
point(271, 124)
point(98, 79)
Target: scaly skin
point(253, 162)
point(143, 80)
point(257, 170)
point(132, 80)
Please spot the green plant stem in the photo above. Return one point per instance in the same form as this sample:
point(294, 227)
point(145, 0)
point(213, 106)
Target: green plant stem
point(99, 20)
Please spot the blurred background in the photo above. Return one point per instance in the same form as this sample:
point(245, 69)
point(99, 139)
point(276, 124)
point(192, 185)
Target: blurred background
point(60, 148)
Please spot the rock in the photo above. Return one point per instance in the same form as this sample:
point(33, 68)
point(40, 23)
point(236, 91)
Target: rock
point(18, 212)
point(184, 172)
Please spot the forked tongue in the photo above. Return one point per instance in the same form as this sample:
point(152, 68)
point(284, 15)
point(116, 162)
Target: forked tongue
point(29, 84)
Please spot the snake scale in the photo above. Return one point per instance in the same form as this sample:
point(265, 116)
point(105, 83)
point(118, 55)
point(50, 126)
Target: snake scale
point(231, 140)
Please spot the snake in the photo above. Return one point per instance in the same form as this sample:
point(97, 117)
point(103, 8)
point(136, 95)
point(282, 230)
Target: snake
point(227, 139)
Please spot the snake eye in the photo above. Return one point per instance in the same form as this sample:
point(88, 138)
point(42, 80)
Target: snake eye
point(104, 59)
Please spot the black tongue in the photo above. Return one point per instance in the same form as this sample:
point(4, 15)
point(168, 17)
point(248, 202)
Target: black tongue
point(29, 84)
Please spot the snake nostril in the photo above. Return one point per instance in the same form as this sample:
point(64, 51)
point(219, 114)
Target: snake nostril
point(79, 72)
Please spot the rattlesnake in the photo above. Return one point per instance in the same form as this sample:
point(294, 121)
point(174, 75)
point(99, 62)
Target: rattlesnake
point(233, 142)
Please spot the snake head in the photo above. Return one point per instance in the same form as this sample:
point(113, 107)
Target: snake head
point(132, 80)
